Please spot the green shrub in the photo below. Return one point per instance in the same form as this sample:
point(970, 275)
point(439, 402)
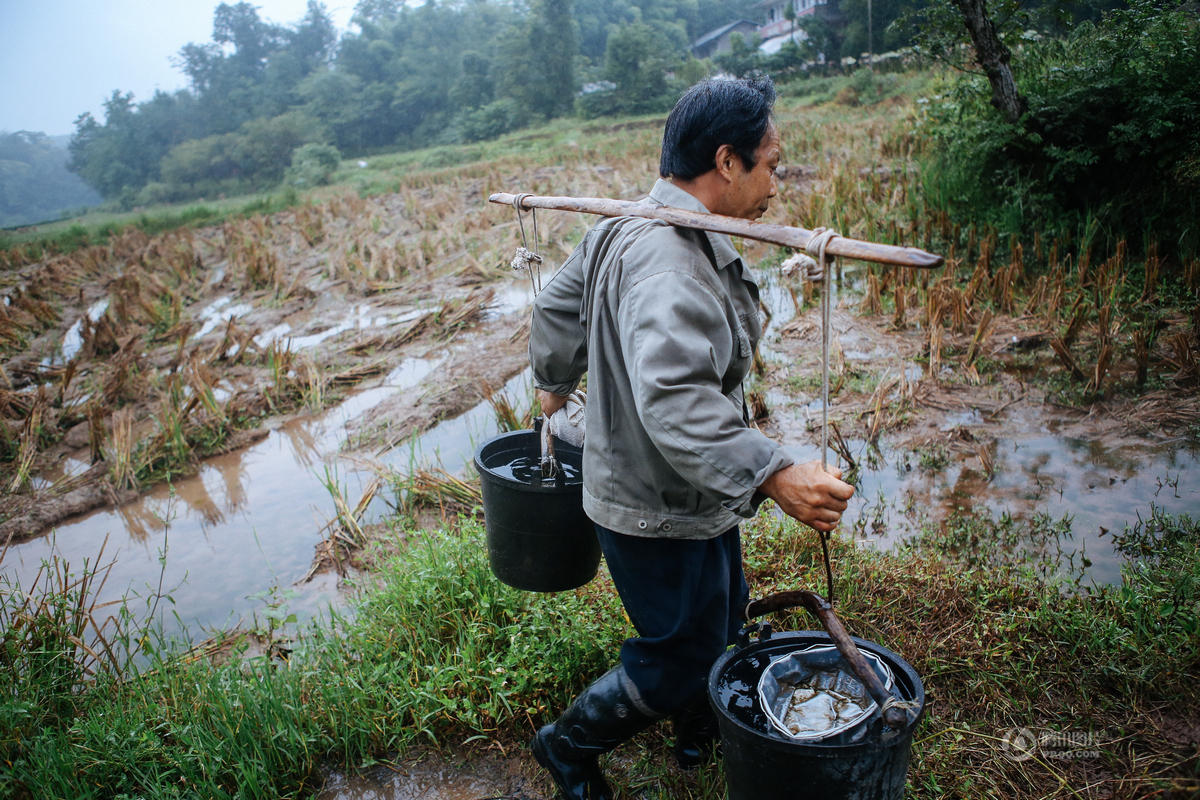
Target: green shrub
point(155, 193)
point(490, 121)
point(313, 164)
point(1109, 146)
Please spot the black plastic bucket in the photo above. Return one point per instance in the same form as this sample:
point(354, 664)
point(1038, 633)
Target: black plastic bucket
point(538, 537)
point(761, 762)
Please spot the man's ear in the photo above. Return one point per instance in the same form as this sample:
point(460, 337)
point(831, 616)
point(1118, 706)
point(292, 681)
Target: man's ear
point(725, 160)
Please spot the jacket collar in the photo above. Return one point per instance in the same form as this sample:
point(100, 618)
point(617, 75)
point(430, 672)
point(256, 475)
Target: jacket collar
point(668, 194)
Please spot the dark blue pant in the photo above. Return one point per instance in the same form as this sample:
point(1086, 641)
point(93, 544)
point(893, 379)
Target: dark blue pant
point(685, 597)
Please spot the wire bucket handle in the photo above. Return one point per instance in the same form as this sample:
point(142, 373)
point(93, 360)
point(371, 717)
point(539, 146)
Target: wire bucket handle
point(895, 710)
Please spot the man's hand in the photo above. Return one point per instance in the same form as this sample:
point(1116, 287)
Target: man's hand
point(550, 402)
point(806, 492)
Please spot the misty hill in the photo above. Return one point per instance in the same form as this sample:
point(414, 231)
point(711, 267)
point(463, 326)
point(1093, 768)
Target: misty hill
point(35, 185)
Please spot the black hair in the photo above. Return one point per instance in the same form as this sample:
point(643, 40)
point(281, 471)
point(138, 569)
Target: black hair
point(717, 111)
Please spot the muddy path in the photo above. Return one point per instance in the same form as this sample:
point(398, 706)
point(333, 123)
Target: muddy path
point(470, 774)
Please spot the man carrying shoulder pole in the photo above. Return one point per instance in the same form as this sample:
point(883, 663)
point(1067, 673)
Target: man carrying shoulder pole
point(664, 321)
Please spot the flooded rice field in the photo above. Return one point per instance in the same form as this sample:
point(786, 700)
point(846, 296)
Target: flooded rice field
point(203, 396)
point(241, 531)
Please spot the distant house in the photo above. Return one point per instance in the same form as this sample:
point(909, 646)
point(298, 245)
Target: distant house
point(777, 29)
point(774, 30)
point(717, 40)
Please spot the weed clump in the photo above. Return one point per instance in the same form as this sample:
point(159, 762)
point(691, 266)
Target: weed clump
point(1108, 149)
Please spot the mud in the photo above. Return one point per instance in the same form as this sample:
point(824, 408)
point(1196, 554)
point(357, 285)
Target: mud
point(474, 774)
point(926, 446)
point(471, 371)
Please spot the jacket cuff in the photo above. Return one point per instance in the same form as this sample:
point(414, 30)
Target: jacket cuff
point(562, 389)
point(746, 504)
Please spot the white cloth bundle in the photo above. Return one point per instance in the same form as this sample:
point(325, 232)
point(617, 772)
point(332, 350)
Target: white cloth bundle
point(568, 422)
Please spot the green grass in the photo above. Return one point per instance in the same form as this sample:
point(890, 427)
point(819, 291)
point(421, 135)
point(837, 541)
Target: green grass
point(438, 652)
point(98, 225)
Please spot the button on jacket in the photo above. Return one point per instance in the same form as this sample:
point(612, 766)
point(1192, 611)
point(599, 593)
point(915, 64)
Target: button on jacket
point(664, 321)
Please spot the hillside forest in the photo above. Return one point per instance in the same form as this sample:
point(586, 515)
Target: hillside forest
point(268, 101)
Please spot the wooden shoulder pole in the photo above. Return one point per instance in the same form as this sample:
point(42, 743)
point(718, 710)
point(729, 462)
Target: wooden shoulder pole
point(784, 235)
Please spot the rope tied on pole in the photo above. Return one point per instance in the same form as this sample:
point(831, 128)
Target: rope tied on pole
point(527, 259)
point(817, 246)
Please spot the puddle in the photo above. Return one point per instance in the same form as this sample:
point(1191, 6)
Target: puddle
point(73, 338)
point(477, 776)
point(361, 318)
point(774, 293)
point(219, 312)
point(246, 521)
point(1102, 487)
point(452, 443)
point(510, 298)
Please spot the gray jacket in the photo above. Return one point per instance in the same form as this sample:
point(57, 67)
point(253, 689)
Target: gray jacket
point(664, 321)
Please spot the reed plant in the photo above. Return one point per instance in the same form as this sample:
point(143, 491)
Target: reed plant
point(435, 489)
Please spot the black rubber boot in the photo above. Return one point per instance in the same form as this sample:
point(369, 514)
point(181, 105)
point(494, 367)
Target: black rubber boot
point(601, 718)
point(696, 733)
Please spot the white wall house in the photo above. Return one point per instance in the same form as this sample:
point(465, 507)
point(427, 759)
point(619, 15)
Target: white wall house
point(775, 21)
point(774, 29)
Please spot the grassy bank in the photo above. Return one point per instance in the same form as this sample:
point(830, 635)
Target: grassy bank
point(439, 653)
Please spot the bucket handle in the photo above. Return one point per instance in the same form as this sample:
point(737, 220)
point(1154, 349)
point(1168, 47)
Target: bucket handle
point(895, 710)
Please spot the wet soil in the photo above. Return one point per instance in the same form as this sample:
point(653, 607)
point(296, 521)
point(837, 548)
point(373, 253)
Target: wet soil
point(921, 444)
point(471, 774)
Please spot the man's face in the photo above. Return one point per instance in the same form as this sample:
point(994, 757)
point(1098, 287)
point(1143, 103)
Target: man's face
point(750, 191)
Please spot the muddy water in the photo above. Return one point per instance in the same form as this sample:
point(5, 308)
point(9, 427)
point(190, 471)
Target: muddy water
point(242, 531)
point(1102, 486)
point(246, 522)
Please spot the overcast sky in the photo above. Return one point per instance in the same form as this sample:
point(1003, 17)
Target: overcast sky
point(59, 58)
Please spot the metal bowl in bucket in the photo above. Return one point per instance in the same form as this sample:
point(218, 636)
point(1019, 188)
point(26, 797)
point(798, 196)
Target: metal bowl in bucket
point(538, 537)
point(869, 762)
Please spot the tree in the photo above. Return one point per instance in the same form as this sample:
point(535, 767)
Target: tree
point(823, 38)
point(535, 64)
point(1107, 148)
point(994, 57)
point(112, 157)
point(637, 59)
point(474, 87)
point(251, 38)
point(552, 35)
point(312, 41)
